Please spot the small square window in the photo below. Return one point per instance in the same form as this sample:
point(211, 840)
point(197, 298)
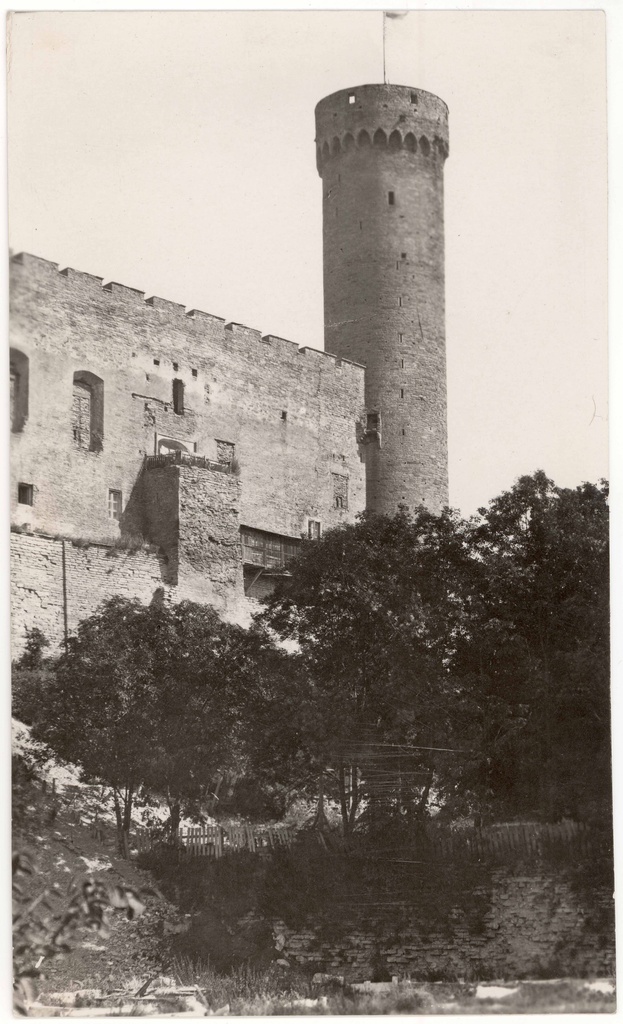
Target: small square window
point(156, 362)
point(414, 97)
point(114, 505)
point(403, 255)
point(25, 494)
point(194, 373)
point(351, 97)
point(175, 367)
point(391, 198)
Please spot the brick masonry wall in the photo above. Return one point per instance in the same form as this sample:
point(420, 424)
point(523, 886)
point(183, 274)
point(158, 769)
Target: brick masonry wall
point(535, 927)
point(384, 277)
point(238, 386)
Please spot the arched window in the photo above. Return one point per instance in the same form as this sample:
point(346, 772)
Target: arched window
point(19, 389)
point(87, 411)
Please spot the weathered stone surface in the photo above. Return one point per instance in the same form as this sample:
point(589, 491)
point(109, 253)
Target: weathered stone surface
point(236, 388)
point(380, 153)
point(289, 416)
point(535, 925)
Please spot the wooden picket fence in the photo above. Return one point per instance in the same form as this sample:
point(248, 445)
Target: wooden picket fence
point(215, 841)
point(497, 843)
point(510, 841)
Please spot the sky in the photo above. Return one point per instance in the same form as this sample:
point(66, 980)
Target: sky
point(174, 152)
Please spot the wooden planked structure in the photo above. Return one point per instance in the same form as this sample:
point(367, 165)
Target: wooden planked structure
point(215, 840)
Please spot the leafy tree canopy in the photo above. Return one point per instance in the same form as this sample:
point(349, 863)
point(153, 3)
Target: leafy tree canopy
point(463, 658)
point(148, 696)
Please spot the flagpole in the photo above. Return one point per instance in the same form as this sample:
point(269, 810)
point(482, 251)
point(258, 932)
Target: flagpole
point(384, 75)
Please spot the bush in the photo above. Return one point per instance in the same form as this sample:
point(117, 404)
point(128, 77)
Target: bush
point(28, 687)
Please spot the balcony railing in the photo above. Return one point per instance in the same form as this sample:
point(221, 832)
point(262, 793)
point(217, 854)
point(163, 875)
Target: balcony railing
point(185, 459)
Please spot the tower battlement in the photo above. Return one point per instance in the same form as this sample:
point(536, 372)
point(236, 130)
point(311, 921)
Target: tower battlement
point(381, 115)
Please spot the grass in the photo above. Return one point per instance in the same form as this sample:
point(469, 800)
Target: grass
point(242, 985)
point(277, 992)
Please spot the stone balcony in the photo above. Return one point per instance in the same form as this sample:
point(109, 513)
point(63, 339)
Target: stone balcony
point(180, 458)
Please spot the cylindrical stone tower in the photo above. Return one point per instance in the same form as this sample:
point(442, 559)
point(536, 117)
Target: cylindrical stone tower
point(380, 154)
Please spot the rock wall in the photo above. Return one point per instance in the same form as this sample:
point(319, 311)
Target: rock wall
point(209, 553)
point(535, 926)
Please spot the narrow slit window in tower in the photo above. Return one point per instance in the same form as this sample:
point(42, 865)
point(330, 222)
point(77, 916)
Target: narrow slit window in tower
point(194, 373)
point(175, 367)
point(413, 100)
point(402, 392)
point(391, 198)
point(401, 337)
point(402, 364)
point(400, 300)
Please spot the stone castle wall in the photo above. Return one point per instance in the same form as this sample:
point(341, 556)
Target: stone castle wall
point(52, 579)
point(291, 414)
point(56, 582)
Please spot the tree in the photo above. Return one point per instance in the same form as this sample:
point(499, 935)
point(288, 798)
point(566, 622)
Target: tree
point(465, 659)
point(147, 696)
point(539, 650)
point(32, 656)
point(375, 609)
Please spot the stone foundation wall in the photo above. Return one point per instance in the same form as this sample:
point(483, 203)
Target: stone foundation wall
point(535, 926)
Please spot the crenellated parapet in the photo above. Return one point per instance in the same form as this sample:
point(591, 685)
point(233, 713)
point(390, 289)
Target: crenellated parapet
point(392, 117)
point(175, 313)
